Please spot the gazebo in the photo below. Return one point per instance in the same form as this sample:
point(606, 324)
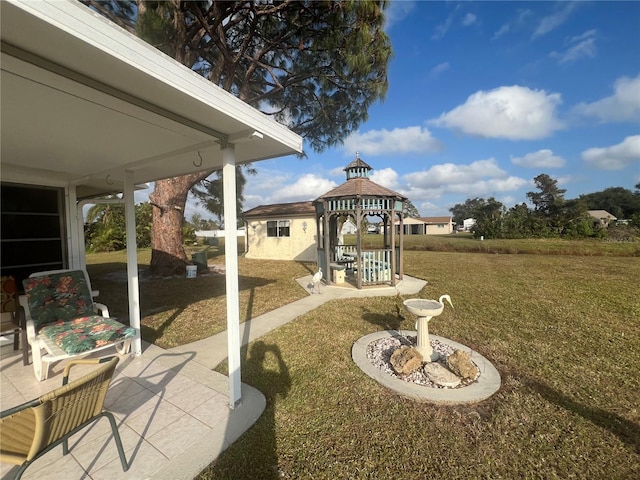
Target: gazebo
point(359, 197)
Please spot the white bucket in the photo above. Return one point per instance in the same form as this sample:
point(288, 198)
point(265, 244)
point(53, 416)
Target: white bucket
point(192, 271)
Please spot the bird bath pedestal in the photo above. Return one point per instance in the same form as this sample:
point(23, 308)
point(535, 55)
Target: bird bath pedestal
point(425, 310)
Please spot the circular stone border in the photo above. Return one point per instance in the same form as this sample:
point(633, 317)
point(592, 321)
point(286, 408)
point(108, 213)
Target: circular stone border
point(487, 384)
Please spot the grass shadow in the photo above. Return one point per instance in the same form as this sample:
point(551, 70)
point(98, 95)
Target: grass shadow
point(259, 452)
point(384, 321)
point(627, 431)
point(151, 334)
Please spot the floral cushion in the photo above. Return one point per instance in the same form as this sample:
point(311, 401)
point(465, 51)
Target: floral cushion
point(86, 333)
point(58, 296)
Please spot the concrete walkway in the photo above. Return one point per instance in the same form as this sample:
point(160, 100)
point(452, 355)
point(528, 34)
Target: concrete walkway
point(211, 351)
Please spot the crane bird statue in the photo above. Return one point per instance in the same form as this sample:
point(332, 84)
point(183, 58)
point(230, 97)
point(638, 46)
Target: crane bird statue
point(441, 306)
point(315, 281)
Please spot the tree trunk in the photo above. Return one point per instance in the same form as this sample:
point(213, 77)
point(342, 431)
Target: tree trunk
point(169, 198)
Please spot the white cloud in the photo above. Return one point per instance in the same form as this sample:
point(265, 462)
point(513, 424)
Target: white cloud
point(514, 24)
point(509, 201)
point(396, 12)
point(565, 179)
point(337, 172)
point(387, 177)
point(477, 178)
point(623, 105)
point(501, 31)
point(579, 47)
point(274, 186)
point(540, 159)
point(515, 113)
point(441, 29)
point(469, 19)
point(583, 36)
point(396, 141)
point(553, 21)
point(439, 69)
point(308, 187)
point(429, 209)
point(615, 157)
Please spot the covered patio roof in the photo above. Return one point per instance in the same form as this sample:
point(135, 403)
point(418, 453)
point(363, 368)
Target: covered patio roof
point(83, 101)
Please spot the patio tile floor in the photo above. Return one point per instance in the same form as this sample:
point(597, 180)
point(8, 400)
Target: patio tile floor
point(173, 417)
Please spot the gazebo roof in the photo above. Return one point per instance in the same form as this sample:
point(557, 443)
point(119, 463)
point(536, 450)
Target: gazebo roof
point(359, 187)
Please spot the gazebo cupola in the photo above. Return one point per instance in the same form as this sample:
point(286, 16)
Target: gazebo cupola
point(358, 168)
point(358, 198)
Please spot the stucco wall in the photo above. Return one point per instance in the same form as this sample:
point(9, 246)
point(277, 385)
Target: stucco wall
point(439, 229)
point(300, 245)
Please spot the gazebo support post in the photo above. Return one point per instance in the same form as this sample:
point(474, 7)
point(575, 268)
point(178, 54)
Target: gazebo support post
point(393, 252)
point(358, 262)
point(327, 247)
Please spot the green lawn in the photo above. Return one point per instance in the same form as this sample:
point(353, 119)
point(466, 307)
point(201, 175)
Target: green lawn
point(177, 310)
point(464, 242)
point(562, 330)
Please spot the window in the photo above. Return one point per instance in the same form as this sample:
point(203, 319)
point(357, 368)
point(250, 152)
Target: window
point(33, 230)
point(278, 228)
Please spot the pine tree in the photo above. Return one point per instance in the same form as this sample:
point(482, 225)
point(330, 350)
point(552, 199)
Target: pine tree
point(315, 66)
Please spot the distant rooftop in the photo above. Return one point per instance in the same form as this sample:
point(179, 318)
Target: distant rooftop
point(280, 209)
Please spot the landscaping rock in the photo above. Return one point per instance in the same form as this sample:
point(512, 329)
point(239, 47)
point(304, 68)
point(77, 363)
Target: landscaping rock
point(406, 360)
point(440, 375)
point(459, 362)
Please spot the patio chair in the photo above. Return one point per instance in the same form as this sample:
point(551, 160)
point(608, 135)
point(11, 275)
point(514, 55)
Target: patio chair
point(61, 319)
point(11, 318)
point(34, 428)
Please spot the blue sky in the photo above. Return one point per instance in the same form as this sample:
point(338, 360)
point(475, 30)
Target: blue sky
point(483, 97)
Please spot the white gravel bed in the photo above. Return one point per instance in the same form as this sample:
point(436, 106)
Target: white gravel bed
point(379, 354)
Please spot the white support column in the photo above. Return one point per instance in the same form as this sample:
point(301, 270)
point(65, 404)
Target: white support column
point(231, 265)
point(132, 261)
point(75, 238)
point(80, 223)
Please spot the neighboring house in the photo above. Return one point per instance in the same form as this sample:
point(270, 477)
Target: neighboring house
point(283, 231)
point(468, 224)
point(349, 228)
point(428, 225)
point(602, 217)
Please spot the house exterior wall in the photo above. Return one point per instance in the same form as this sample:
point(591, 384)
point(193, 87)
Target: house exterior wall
point(300, 245)
point(439, 228)
point(426, 226)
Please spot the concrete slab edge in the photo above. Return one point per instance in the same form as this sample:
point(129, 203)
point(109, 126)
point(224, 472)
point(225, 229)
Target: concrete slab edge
point(487, 384)
point(208, 448)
